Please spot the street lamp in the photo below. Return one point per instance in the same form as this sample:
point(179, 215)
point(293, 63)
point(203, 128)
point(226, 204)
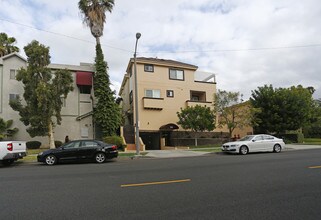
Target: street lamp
point(136, 98)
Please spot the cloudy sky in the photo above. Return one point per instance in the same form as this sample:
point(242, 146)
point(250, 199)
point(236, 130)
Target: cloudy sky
point(246, 43)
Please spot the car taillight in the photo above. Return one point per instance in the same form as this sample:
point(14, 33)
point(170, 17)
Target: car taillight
point(9, 147)
point(114, 147)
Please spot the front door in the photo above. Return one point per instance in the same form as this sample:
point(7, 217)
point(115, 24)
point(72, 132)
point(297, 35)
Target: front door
point(69, 151)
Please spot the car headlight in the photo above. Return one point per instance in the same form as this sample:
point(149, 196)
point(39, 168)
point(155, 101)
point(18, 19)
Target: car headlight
point(234, 145)
point(41, 153)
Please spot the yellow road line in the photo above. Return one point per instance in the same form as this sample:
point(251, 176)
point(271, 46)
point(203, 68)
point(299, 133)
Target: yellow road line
point(315, 167)
point(155, 183)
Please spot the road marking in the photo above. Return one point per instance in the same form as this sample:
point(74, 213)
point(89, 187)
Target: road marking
point(156, 183)
point(315, 167)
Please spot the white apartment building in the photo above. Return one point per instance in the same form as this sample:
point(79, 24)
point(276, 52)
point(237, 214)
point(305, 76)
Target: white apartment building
point(76, 113)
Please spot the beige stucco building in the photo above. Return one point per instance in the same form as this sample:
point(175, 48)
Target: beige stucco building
point(77, 109)
point(164, 87)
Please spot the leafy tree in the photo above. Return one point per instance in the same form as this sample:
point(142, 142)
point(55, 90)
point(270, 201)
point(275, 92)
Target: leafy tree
point(313, 129)
point(43, 90)
point(7, 45)
point(106, 112)
point(232, 113)
point(282, 109)
point(5, 130)
point(197, 118)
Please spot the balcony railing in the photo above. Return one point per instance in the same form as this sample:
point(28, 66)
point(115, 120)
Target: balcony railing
point(190, 103)
point(153, 103)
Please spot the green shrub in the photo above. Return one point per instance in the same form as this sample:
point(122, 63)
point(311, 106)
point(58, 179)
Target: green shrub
point(116, 140)
point(58, 144)
point(33, 144)
point(292, 138)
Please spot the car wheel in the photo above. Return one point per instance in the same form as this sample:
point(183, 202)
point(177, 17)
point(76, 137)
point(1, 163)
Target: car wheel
point(244, 150)
point(51, 160)
point(277, 148)
point(100, 157)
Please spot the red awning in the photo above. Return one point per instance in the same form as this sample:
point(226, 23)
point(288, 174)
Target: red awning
point(84, 78)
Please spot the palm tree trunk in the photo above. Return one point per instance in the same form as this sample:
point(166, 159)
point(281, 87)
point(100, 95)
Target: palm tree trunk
point(97, 40)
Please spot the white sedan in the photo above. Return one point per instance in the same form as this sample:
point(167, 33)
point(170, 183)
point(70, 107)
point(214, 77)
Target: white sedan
point(254, 143)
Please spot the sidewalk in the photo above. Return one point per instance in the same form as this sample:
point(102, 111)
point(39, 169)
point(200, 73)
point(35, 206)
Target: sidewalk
point(174, 153)
point(301, 147)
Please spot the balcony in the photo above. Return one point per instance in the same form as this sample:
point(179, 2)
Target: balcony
point(190, 103)
point(153, 103)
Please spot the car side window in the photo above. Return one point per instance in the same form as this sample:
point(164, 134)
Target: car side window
point(268, 137)
point(72, 145)
point(258, 138)
point(89, 144)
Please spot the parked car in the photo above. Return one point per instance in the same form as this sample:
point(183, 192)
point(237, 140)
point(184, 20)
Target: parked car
point(254, 143)
point(11, 151)
point(79, 150)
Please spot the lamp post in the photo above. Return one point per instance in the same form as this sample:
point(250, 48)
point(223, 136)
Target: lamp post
point(138, 35)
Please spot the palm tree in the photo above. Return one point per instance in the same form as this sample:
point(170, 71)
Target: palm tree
point(6, 44)
point(94, 15)
point(106, 117)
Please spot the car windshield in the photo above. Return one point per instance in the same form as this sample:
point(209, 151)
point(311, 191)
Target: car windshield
point(247, 138)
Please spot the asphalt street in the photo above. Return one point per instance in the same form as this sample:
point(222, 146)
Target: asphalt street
point(215, 186)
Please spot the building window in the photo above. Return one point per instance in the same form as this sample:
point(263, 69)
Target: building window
point(148, 68)
point(152, 93)
point(130, 97)
point(176, 74)
point(198, 96)
point(63, 101)
point(170, 93)
point(12, 74)
point(84, 89)
point(13, 97)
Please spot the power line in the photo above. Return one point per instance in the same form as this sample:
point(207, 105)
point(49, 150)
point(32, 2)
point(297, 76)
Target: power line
point(64, 35)
point(238, 50)
point(171, 52)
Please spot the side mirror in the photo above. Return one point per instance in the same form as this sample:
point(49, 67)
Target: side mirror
point(253, 140)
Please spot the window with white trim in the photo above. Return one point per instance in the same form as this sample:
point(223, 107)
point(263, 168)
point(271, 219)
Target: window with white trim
point(12, 74)
point(176, 74)
point(152, 93)
point(13, 96)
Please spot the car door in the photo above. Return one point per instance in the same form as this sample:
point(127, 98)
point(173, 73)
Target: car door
point(69, 151)
point(269, 142)
point(87, 149)
point(257, 144)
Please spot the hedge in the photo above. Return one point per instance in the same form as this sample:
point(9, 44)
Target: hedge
point(117, 140)
point(33, 144)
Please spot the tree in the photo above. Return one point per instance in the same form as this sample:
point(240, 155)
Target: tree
point(7, 45)
point(232, 113)
point(107, 114)
point(5, 130)
point(43, 90)
point(282, 109)
point(197, 118)
point(94, 15)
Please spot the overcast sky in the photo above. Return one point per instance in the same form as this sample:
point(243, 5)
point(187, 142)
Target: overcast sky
point(246, 43)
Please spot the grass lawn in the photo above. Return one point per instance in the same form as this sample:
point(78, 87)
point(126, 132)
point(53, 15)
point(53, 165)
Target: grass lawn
point(310, 141)
point(207, 148)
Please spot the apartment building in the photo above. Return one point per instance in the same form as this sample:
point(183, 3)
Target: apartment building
point(164, 87)
point(77, 107)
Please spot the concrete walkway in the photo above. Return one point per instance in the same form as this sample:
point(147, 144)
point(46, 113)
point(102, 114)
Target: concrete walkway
point(189, 153)
point(173, 153)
